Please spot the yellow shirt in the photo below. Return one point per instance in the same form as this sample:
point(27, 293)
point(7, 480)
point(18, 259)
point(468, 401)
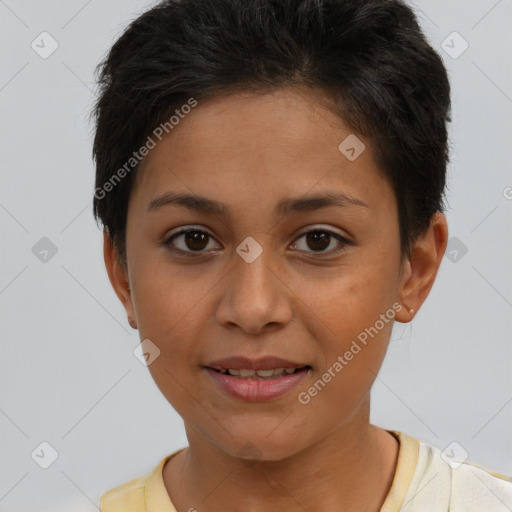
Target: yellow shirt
point(423, 481)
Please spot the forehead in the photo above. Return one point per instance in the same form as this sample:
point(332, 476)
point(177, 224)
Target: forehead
point(249, 148)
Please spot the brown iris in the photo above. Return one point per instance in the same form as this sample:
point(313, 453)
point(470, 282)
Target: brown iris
point(196, 240)
point(318, 239)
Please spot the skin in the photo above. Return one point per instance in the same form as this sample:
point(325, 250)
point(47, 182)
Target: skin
point(249, 151)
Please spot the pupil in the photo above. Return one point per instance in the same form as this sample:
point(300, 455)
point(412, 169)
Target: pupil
point(195, 237)
point(318, 237)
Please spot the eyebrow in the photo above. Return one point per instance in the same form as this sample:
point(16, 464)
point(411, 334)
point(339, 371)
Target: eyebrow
point(305, 203)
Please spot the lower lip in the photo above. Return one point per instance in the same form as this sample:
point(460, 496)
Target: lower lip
point(257, 389)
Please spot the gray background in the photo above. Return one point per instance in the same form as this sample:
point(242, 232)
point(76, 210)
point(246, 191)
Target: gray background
point(68, 374)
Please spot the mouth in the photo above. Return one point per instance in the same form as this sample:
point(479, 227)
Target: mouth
point(248, 373)
point(252, 385)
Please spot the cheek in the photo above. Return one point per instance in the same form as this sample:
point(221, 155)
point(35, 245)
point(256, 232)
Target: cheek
point(163, 300)
point(352, 318)
point(352, 300)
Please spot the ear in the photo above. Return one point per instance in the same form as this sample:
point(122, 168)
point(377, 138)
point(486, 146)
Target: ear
point(119, 278)
point(419, 273)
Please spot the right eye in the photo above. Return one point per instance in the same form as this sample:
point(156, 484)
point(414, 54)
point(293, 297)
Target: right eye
point(188, 241)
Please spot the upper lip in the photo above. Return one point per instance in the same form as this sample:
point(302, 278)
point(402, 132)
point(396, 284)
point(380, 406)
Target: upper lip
point(262, 363)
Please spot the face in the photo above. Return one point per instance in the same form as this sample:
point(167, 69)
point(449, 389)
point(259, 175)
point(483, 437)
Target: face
point(265, 270)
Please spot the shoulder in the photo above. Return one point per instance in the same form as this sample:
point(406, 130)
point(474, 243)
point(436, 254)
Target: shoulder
point(142, 494)
point(442, 482)
point(128, 497)
point(476, 488)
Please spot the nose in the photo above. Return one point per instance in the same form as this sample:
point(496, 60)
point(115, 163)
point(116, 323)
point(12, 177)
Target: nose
point(254, 297)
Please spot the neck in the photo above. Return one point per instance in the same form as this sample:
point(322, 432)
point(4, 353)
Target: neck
point(350, 470)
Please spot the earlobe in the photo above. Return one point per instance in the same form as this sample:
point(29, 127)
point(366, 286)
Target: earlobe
point(118, 276)
point(422, 268)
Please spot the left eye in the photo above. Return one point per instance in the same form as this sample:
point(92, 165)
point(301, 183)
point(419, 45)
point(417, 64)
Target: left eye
point(319, 240)
point(195, 240)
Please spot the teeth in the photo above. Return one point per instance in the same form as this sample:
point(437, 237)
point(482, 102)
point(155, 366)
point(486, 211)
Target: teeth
point(276, 372)
point(268, 373)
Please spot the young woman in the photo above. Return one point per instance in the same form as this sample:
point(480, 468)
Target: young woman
point(270, 178)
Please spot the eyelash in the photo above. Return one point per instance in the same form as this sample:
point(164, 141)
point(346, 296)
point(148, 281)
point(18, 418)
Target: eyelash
point(192, 254)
